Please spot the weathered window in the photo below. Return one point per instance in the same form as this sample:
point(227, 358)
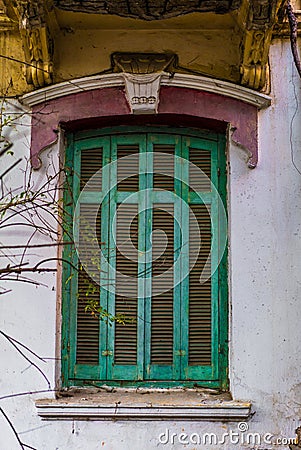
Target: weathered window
point(150, 238)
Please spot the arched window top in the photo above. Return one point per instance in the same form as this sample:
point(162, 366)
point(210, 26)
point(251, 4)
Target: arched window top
point(102, 99)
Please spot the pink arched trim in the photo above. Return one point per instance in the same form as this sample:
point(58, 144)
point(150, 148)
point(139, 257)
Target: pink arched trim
point(102, 106)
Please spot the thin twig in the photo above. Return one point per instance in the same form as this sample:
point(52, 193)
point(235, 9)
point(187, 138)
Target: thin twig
point(36, 268)
point(10, 58)
point(22, 345)
point(22, 394)
point(10, 168)
point(53, 244)
point(12, 427)
point(22, 445)
point(11, 341)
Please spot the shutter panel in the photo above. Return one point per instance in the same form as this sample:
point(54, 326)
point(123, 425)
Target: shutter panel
point(128, 169)
point(87, 334)
point(202, 159)
point(91, 162)
point(162, 305)
point(170, 332)
point(162, 163)
point(200, 293)
point(126, 265)
point(203, 293)
point(87, 347)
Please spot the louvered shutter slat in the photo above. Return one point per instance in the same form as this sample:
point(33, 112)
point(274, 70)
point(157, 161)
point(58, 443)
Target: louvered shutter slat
point(87, 348)
point(128, 168)
point(200, 293)
point(163, 177)
point(199, 181)
point(162, 328)
point(126, 264)
point(87, 335)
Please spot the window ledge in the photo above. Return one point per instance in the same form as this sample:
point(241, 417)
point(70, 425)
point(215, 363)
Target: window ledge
point(184, 405)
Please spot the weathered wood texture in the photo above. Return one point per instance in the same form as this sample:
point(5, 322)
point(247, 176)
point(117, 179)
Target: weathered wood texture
point(148, 9)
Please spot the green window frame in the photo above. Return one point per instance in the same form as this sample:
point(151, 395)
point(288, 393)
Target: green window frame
point(178, 337)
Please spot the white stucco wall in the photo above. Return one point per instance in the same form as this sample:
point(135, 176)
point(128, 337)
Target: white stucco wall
point(265, 267)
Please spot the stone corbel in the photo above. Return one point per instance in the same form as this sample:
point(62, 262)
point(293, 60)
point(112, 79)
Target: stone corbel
point(34, 26)
point(254, 67)
point(257, 37)
point(142, 73)
point(142, 92)
point(6, 23)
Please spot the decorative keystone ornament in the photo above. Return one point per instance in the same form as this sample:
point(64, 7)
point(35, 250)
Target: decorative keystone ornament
point(142, 74)
point(142, 92)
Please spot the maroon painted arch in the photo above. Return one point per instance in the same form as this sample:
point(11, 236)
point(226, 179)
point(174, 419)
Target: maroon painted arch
point(108, 106)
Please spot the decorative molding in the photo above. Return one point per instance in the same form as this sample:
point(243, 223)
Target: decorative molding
point(257, 36)
point(218, 87)
point(148, 9)
point(34, 26)
point(255, 58)
point(142, 92)
point(142, 75)
point(226, 411)
point(6, 23)
point(117, 79)
point(106, 107)
point(143, 63)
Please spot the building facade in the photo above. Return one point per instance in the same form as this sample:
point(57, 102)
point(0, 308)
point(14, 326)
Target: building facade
point(153, 187)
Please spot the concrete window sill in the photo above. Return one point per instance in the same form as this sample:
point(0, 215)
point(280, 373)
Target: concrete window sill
point(141, 404)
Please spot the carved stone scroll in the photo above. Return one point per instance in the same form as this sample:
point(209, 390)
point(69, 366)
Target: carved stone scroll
point(142, 75)
point(255, 58)
point(142, 92)
point(6, 23)
point(37, 41)
point(256, 42)
point(142, 63)
point(148, 9)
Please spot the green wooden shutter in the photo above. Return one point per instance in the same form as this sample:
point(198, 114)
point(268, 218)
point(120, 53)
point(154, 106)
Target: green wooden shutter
point(200, 310)
point(126, 341)
point(173, 322)
point(87, 333)
point(85, 340)
point(201, 297)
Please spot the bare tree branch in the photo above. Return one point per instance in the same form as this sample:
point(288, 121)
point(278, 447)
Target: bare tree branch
point(15, 344)
point(10, 168)
point(22, 445)
point(22, 394)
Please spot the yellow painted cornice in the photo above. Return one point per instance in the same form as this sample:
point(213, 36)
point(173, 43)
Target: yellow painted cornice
point(6, 22)
point(40, 27)
point(36, 23)
point(257, 20)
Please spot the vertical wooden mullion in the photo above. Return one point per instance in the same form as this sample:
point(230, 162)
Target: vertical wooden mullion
point(74, 279)
point(142, 226)
point(222, 272)
point(184, 295)
point(148, 207)
point(178, 249)
point(119, 371)
point(214, 214)
point(104, 262)
point(112, 180)
point(69, 278)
